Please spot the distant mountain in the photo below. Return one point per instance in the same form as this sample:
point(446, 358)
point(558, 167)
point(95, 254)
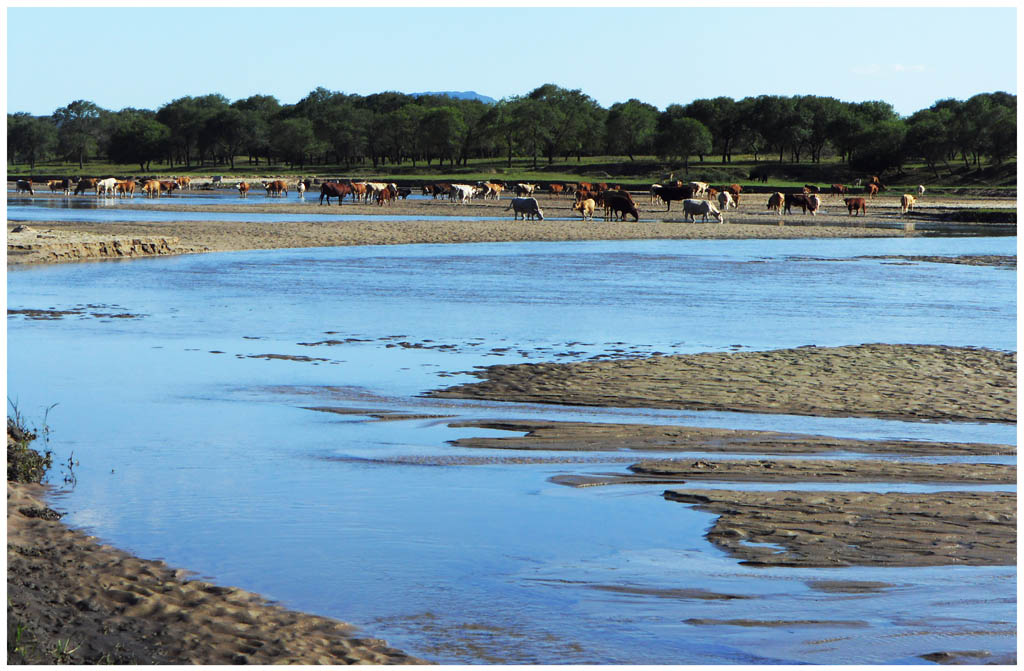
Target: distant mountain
point(460, 95)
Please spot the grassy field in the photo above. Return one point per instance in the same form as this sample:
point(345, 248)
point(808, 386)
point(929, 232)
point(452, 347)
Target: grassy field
point(637, 173)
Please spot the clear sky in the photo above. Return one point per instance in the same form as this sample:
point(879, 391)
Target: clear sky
point(123, 56)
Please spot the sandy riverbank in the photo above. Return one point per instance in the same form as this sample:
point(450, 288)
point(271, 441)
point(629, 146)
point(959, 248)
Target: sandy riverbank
point(115, 608)
point(907, 382)
point(54, 241)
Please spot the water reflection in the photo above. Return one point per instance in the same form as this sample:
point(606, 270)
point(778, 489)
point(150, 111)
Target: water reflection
point(194, 452)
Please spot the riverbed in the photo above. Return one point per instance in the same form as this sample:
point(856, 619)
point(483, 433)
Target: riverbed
point(183, 387)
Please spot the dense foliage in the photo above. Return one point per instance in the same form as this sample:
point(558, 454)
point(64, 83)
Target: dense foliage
point(329, 127)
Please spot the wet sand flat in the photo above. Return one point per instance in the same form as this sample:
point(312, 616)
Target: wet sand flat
point(116, 608)
point(600, 437)
point(802, 528)
point(906, 382)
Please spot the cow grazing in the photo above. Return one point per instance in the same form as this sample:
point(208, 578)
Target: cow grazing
point(85, 184)
point(151, 188)
point(838, 190)
point(586, 208)
point(330, 190)
point(813, 203)
point(854, 205)
point(798, 199)
point(775, 202)
point(871, 189)
point(55, 184)
point(670, 193)
point(906, 203)
point(404, 192)
point(556, 189)
point(184, 183)
point(920, 190)
point(528, 207)
point(167, 185)
point(655, 196)
point(694, 206)
point(243, 189)
point(618, 204)
point(23, 185)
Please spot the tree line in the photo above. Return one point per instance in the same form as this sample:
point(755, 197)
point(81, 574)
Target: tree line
point(549, 123)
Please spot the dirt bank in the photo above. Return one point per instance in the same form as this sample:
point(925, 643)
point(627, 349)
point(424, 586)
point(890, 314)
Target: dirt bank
point(907, 382)
point(801, 528)
point(71, 600)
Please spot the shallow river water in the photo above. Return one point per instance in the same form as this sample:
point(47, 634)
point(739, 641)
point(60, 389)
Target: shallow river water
point(191, 446)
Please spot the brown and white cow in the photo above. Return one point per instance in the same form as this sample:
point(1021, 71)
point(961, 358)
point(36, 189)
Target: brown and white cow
point(586, 208)
point(184, 183)
point(775, 202)
point(275, 188)
point(105, 187)
point(906, 203)
point(813, 203)
point(243, 189)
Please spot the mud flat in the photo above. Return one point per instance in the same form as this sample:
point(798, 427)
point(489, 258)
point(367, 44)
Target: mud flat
point(801, 528)
point(906, 382)
point(593, 437)
point(26, 244)
point(111, 607)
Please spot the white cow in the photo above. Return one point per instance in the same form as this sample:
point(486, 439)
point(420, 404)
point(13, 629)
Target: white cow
point(920, 190)
point(461, 193)
point(106, 186)
point(695, 206)
point(301, 188)
point(906, 203)
point(524, 189)
point(528, 207)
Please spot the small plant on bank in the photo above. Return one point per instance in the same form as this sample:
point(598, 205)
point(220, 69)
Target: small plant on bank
point(25, 464)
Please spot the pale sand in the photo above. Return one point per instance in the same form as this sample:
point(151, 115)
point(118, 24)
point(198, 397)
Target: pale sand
point(908, 382)
point(48, 241)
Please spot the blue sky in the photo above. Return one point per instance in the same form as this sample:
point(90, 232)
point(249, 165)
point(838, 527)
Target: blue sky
point(909, 57)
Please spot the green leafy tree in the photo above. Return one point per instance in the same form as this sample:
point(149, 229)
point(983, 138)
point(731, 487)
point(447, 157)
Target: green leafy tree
point(682, 138)
point(30, 138)
point(78, 128)
point(293, 140)
point(137, 137)
point(630, 128)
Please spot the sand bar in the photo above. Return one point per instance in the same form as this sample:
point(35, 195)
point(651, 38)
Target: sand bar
point(907, 382)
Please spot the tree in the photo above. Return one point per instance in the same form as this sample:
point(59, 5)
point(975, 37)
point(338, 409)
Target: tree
point(78, 126)
point(292, 140)
point(137, 137)
point(682, 138)
point(630, 128)
point(30, 138)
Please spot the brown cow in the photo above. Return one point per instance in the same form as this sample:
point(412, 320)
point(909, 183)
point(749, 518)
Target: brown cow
point(871, 189)
point(151, 188)
point(619, 203)
point(167, 185)
point(856, 204)
point(792, 199)
point(586, 208)
point(775, 202)
point(330, 190)
point(125, 187)
point(838, 189)
point(243, 189)
point(385, 195)
point(86, 184)
point(184, 183)
point(811, 188)
point(556, 189)
point(276, 188)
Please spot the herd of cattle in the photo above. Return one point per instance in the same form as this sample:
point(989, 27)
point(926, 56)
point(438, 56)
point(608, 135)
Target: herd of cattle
point(696, 198)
